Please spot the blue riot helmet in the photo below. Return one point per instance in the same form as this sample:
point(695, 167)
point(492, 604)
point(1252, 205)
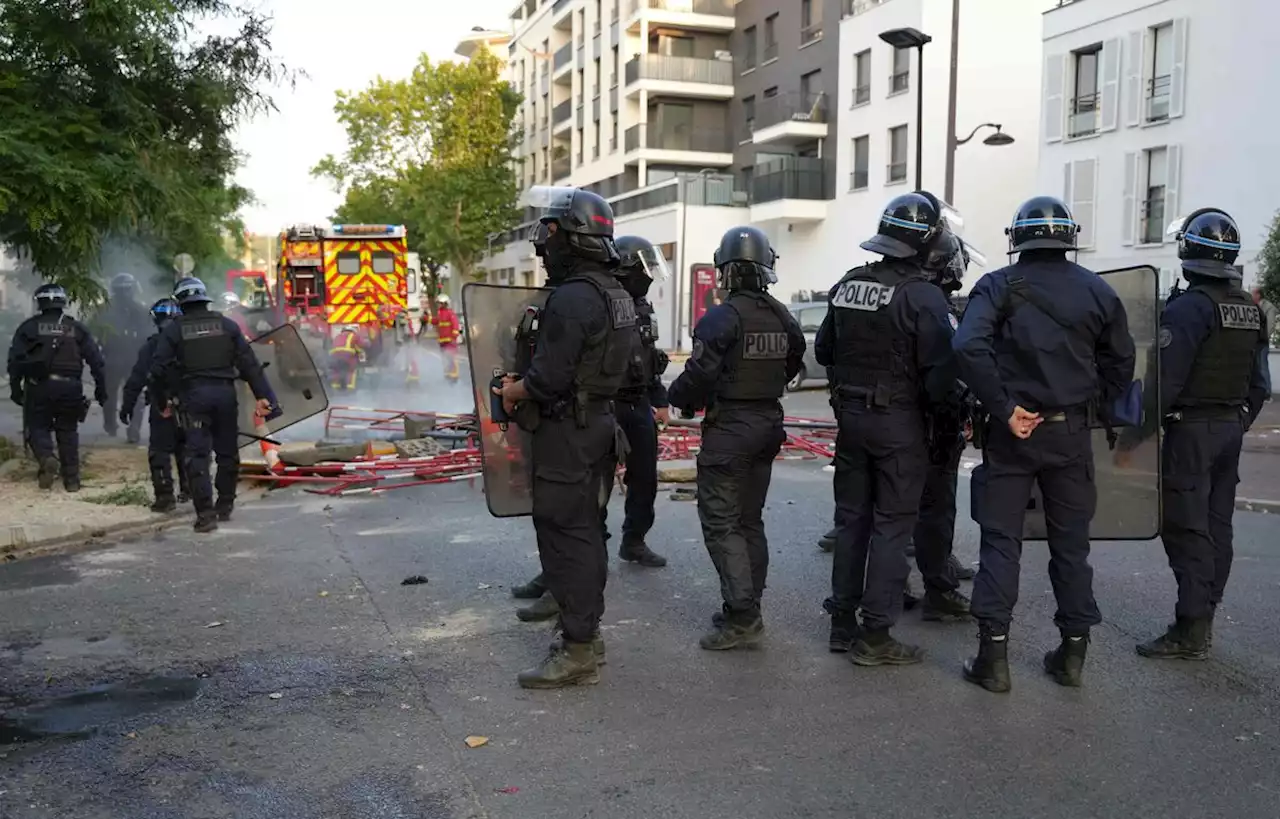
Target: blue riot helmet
point(50, 297)
point(1208, 243)
point(164, 310)
point(909, 224)
point(745, 260)
point(191, 291)
point(642, 264)
point(1042, 223)
point(123, 285)
point(949, 257)
point(583, 220)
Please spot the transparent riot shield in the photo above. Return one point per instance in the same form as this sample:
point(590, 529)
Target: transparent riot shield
point(292, 374)
point(492, 315)
point(1127, 477)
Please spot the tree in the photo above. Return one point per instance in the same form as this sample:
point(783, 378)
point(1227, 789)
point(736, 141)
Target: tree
point(1268, 260)
point(116, 119)
point(434, 151)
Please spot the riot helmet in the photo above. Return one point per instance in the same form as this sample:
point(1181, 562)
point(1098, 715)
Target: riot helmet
point(190, 291)
point(583, 229)
point(50, 297)
point(945, 260)
point(1208, 243)
point(1042, 223)
point(123, 285)
point(908, 226)
point(230, 301)
point(164, 310)
point(641, 265)
point(745, 260)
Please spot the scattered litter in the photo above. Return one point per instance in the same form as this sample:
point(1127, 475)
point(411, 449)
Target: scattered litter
point(476, 742)
point(484, 586)
point(324, 594)
point(1243, 738)
point(404, 706)
point(275, 695)
point(131, 735)
point(414, 580)
point(215, 624)
point(508, 789)
point(478, 698)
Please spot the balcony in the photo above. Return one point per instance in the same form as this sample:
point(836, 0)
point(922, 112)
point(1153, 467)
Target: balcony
point(682, 146)
point(809, 34)
point(701, 15)
point(852, 8)
point(561, 18)
point(680, 76)
point(561, 116)
point(787, 119)
point(562, 62)
point(1083, 120)
point(899, 83)
point(792, 191)
point(560, 169)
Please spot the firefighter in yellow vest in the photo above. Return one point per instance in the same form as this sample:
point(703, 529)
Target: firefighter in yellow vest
point(344, 357)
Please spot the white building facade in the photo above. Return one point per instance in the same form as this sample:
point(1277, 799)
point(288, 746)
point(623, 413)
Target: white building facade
point(1152, 109)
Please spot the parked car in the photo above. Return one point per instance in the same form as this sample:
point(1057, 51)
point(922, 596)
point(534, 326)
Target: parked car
point(810, 315)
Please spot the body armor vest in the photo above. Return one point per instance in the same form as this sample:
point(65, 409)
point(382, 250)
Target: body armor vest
point(756, 364)
point(1225, 361)
point(603, 366)
point(871, 353)
point(641, 369)
point(207, 347)
point(59, 347)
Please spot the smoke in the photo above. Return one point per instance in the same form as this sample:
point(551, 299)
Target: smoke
point(123, 254)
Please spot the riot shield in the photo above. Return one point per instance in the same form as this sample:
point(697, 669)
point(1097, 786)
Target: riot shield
point(1127, 477)
point(492, 314)
point(292, 374)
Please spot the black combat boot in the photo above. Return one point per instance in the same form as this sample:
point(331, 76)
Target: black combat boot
point(944, 607)
point(909, 599)
point(1185, 640)
point(532, 590)
point(878, 647)
point(223, 509)
point(48, 472)
point(544, 608)
point(567, 664)
point(638, 552)
point(827, 542)
point(962, 571)
point(734, 630)
point(844, 632)
point(206, 522)
point(597, 644)
point(990, 669)
point(164, 504)
point(1066, 663)
point(71, 484)
point(1208, 634)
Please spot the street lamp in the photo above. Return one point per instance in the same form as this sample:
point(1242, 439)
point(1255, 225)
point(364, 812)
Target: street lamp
point(678, 296)
point(913, 38)
point(998, 139)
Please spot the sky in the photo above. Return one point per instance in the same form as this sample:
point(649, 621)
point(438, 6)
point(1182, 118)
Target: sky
point(339, 45)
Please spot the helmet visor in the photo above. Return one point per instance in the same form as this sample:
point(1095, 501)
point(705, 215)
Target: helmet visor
point(974, 255)
point(653, 263)
point(1175, 227)
point(549, 197)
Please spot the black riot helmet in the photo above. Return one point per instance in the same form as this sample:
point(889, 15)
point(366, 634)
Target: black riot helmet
point(641, 264)
point(123, 285)
point(908, 226)
point(190, 291)
point(164, 310)
point(1042, 223)
point(584, 225)
point(50, 297)
point(946, 260)
point(1208, 244)
point(745, 260)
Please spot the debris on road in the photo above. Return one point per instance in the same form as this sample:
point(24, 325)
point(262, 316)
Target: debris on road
point(414, 580)
point(215, 624)
point(275, 695)
point(476, 742)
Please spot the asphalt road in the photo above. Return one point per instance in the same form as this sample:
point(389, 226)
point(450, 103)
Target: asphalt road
point(379, 684)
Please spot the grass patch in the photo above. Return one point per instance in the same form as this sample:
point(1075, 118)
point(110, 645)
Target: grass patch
point(133, 494)
point(7, 450)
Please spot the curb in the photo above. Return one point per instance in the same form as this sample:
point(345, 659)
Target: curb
point(1256, 505)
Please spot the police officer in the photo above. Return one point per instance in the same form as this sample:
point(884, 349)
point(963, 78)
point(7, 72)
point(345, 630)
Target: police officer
point(198, 356)
point(642, 403)
point(126, 325)
point(46, 361)
point(887, 338)
point(1213, 382)
point(164, 438)
point(586, 337)
point(1043, 343)
point(745, 350)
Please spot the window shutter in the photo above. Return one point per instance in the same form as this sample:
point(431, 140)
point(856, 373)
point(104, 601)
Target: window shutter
point(1129, 212)
point(1068, 171)
point(1133, 87)
point(1173, 179)
point(1111, 53)
point(1055, 83)
point(1178, 81)
point(1084, 186)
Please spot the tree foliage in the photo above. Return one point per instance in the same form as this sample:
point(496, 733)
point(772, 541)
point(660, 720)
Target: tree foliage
point(1269, 262)
point(116, 119)
point(433, 152)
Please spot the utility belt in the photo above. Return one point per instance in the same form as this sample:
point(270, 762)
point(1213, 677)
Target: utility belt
point(65, 378)
point(580, 408)
point(879, 397)
point(1209, 412)
point(632, 396)
point(1084, 414)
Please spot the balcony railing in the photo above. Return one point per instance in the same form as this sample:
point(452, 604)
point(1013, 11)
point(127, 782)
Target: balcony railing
point(896, 172)
point(719, 8)
point(679, 69)
point(770, 53)
point(852, 8)
point(810, 33)
point(704, 140)
point(796, 179)
point(1153, 219)
point(899, 82)
point(564, 55)
point(560, 168)
point(561, 113)
point(790, 107)
point(1084, 115)
point(858, 179)
point(1158, 89)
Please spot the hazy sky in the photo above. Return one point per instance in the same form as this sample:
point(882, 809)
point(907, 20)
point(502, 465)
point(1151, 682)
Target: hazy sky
point(340, 45)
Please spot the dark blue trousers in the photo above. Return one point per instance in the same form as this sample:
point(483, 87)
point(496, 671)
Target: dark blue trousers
point(210, 416)
point(636, 420)
point(52, 409)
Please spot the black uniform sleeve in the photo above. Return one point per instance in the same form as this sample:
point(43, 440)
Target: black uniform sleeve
point(932, 325)
point(140, 374)
point(658, 390)
point(17, 346)
point(1184, 325)
point(1260, 382)
point(796, 344)
point(247, 364)
point(164, 362)
point(1114, 352)
point(974, 345)
point(92, 355)
point(574, 313)
point(714, 335)
point(824, 343)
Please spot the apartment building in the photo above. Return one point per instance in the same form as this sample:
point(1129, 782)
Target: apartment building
point(1152, 109)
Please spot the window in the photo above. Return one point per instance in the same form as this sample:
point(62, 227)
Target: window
point(1153, 215)
point(858, 177)
point(749, 113)
point(771, 38)
point(771, 92)
point(900, 79)
point(675, 127)
point(1161, 80)
point(383, 263)
point(898, 154)
point(810, 88)
point(348, 264)
point(1083, 117)
point(862, 77)
point(749, 49)
point(810, 318)
point(810, 23)
point(613, 136)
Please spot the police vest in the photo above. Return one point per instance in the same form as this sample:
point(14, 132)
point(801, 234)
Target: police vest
point(602, 369)
point(1224, 364)
point(641, 370)
point(871, 353)
point(208, 348)
point(756, 364)
point(59, 348)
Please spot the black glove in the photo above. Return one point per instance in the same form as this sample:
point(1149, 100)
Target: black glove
point(126, 415)
point(100, 395)
point(16, 396)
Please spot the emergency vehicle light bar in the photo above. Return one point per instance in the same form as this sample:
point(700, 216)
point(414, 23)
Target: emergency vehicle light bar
point(343, 230)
